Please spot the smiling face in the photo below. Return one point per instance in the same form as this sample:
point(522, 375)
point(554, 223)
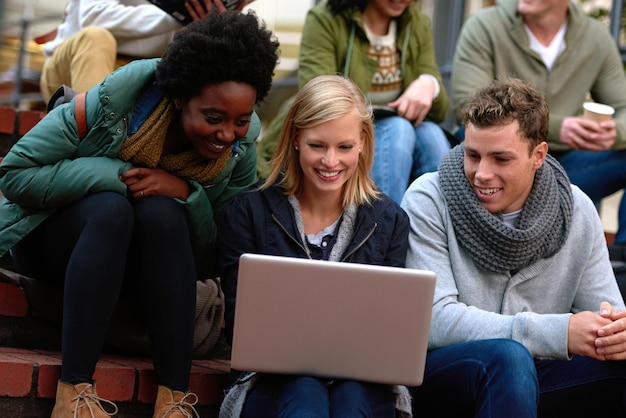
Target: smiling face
point(329, 154)
point(217, 117)
point(387, 8)
point(499, 167)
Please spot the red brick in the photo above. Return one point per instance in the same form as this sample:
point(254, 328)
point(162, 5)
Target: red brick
point(115, 382)
point(47, 382)
point(115, 376)
point(28, 119)
point(13, 301)
point(15, 376)
point(7, 120)
point(147, 389)
point(49, 369)
point(208, 384)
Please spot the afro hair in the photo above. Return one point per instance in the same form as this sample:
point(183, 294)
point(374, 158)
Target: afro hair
point(227, 46)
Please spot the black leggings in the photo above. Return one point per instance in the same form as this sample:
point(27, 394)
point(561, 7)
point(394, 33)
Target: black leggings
point(96, 245)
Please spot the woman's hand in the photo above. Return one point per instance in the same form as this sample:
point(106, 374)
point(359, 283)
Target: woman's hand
point(199, 8)
point(143, 182)
point(415, 102)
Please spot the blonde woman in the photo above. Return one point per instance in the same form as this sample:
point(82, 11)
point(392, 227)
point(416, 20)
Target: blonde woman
point(320, 203)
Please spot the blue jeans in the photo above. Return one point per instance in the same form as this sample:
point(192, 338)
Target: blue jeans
point(404, 152)
point(102, 244)
point(599, 174)
point(499, 378)
point(309, 397)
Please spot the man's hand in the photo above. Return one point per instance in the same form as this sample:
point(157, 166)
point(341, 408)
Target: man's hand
point(611, 341)
point(582, 334)
point(143, 182)
point(584, 134)
point(416, 101)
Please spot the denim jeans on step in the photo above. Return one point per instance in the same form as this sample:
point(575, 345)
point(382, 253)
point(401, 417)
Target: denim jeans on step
point(404, 152)
point(309, 397)
point(499, 378)
point(599, 174)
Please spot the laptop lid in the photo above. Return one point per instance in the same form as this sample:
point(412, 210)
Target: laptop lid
point(332, 319)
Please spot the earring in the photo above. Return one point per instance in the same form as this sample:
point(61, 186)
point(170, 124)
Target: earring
point(297, 149)
point(359, 150)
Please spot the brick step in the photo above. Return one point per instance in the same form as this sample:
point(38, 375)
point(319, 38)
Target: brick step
point(29, 377)
point(30, 362)
point(14, 123)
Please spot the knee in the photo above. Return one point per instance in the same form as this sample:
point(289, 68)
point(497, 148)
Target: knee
point(303, 393)
point(504, 350)
point(398, 132)
point(511, 361)
point(160, 213)
point(97, 39)
point(431, 133)
point(111, 209)
point(95, 34)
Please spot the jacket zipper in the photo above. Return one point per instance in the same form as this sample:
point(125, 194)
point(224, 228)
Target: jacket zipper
point(361, 243)
point(369, 234)
point(291, 236)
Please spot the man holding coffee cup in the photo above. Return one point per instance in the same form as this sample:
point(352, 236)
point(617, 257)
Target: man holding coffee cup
point(569, 56)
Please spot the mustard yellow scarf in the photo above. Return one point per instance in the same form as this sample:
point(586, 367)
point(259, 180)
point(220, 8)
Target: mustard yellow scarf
point(145, 148)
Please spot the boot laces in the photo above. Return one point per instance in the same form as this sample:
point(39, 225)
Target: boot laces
point(88, 399)
point(184, 406)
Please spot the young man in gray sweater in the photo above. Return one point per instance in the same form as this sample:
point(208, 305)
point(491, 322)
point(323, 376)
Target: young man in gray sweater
point(527, 317)
point(571, 58)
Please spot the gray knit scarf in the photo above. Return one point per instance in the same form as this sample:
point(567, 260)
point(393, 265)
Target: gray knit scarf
point(540, 230)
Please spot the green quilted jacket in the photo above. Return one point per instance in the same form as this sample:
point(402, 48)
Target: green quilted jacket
point(50, 167)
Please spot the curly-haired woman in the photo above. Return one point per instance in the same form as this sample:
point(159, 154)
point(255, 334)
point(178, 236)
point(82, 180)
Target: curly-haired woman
point(134, 204)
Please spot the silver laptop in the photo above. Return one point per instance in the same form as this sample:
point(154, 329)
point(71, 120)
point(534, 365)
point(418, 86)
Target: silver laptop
point(332, 319)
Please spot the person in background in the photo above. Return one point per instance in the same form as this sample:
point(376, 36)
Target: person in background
point(318, 202)
point(527, 317)
point(387, 49)
point(97, 36)
point(569, 56)
point(133, 206)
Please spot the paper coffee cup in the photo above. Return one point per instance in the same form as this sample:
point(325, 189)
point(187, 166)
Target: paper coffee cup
point(597, 112)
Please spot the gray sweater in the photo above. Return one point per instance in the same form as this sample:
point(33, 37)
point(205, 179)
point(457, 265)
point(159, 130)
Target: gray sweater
point(532, 306)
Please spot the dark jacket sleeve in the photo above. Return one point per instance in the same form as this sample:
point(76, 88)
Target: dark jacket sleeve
point(236, 235)
point(399, 241)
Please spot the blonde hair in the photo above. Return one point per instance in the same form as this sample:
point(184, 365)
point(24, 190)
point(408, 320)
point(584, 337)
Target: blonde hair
point(322, 99)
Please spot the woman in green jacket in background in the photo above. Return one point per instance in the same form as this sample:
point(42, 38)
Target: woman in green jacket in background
point(387, 49)
point(134, 203)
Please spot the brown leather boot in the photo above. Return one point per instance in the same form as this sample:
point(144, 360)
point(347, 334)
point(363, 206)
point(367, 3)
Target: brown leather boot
point(175, 404)
point(80, 401)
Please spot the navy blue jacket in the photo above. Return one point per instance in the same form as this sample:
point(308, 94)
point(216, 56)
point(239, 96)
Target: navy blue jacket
point(263, 222)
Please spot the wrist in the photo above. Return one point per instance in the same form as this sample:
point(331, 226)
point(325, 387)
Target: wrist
point(434, 81)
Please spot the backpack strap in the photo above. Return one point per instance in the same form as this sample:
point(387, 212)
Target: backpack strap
point(65, 94)
point(81, 116)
